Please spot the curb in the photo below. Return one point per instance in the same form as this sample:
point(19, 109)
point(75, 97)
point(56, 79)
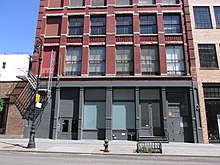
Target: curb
point(110, 154)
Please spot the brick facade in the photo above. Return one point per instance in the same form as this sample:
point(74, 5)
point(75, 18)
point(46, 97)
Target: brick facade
point(15, 123)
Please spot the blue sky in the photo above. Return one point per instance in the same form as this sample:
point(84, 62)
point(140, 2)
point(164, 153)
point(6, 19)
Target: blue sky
point(18, 21)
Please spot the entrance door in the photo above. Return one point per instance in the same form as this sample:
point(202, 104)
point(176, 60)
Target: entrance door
point(150, 119)
point(66, 128)
point(175, 124)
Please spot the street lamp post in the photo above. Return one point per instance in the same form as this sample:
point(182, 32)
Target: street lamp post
point(37, 47)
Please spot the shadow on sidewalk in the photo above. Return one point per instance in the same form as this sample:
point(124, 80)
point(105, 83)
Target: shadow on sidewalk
point(12, 144)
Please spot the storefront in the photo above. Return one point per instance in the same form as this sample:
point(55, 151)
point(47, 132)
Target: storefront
point(123, 111)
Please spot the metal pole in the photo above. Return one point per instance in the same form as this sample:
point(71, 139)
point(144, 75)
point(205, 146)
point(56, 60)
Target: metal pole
point(31, 143)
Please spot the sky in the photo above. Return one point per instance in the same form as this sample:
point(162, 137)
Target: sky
point(18, 22)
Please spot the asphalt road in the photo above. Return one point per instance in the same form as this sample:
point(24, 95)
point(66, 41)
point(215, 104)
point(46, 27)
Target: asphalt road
point(28, 158)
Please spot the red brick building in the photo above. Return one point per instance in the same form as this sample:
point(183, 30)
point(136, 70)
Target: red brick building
point(124, 69)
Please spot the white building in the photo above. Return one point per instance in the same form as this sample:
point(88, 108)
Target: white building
point(12, 65)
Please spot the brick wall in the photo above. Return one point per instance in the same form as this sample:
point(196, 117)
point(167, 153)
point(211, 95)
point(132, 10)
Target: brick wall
point(15, 123)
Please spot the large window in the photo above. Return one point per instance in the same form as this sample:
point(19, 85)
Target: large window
point(202, 17)
point(170, 2)
point(124, 24)
point(73, 61)
point(76, 3)
point(149, 60)
point(123, 2)
point(207, 56)
point(98, 26)
point(217, 16)
point(172, 24)
point(124, 60)
point(94, 109)
point(148, 24)
point(146, 2)
point(76, 26)
point(98, 2)
point(97, 60)
point(175, 60)
point(123, 109)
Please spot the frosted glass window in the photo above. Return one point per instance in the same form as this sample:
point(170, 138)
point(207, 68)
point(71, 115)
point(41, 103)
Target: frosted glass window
point(94, 115)
point(123, 115)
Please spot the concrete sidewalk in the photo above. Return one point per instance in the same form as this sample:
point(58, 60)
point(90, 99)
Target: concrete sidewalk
point(116, 147)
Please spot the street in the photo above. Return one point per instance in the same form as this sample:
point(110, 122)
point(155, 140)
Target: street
point(32, 158)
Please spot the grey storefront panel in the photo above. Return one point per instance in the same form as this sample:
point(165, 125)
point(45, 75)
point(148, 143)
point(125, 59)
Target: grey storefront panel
point(156, 91)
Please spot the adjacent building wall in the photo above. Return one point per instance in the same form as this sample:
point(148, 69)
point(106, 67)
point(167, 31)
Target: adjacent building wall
point(205, 36)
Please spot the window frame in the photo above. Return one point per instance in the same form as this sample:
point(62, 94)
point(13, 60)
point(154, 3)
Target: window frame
point(73, 62)
point(145, 2)
point(94, 4)
point(147, 25)
point(175, 62)
point(206, 22)
point(82, 2)
point(99, 63)
point(76, 26)
point(212, 57)
point(125, 61)
point(217, 15)
point(129, 2)
point(98, 26)
point(122, 24)
point(169, 2)
point(150, 61)
point(173, 28)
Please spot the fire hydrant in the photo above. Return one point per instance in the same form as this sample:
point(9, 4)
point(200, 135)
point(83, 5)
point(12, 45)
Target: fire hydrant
point(106, 145)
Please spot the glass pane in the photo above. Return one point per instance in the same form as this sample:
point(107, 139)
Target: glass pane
point(123, 115)
point(76, 3)
point(65, 126)
point(98, 2)
point(90, 116)
point(146, 1)
point(145, 115)
point(118, 116)
point(94, 115)
point(156, 115)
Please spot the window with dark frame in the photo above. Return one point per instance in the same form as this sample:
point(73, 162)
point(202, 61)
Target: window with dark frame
point(148, 24)
point(170, 2)
point(77, 3)
point(172, 24)
point(73, 61)
point(202, 17)
point(124, 60)
point(97, 60)
point(146, 2)
point(76, 25)
point(98, 2)
point(217, 16)
point(124, 24)
point(149, 60)
point(98, 25)
point(211, 91)
point(175, 60)
point(124, 2)
point(207, 56)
